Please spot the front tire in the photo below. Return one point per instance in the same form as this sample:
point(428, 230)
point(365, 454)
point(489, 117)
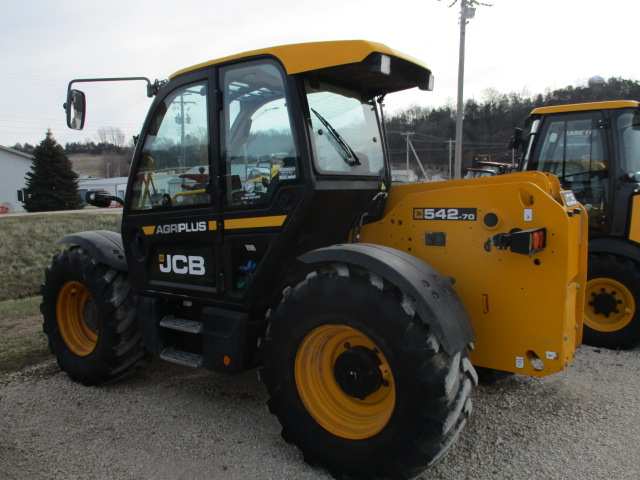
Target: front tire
point(89, 318)
point(359, 383)
point(612, 310)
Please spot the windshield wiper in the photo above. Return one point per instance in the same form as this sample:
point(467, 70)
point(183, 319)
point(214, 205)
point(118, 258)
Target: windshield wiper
point(342, 147)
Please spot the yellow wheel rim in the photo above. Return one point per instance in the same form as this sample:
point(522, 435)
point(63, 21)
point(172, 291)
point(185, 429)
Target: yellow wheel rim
point(328, 362)
point(77, 318)
point(610, 305)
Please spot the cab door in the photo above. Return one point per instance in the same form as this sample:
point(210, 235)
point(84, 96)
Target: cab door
point(170, 225)
point(259, 171)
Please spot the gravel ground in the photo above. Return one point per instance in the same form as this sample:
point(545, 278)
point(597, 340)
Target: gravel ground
point(175, 423)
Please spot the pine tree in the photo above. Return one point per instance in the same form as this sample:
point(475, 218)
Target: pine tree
point(51, 184)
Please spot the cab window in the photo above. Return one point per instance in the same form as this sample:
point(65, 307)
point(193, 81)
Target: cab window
point(627, 123)
point(173, 169)
point(258, 147)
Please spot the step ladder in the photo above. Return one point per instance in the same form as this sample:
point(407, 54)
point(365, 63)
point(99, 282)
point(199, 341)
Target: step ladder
point(174, 355)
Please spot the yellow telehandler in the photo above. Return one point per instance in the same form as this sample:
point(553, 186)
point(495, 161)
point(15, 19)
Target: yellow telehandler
point(260, 229)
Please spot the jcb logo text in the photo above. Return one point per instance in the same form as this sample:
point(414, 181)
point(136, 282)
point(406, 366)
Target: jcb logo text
point(182, 264)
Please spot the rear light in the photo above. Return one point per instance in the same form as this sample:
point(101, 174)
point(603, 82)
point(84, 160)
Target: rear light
point(525, 242)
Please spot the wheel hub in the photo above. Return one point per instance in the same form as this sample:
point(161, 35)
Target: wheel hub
point(611, 305)
point(90, 315)
point(605, 303)
point(345, 382)
point(357, 372)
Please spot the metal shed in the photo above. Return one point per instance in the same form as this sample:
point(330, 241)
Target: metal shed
point(14, 167)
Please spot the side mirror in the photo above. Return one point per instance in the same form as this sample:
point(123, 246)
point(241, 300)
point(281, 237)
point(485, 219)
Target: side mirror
point(516, 140)
point(75, 108)
point(101, 198)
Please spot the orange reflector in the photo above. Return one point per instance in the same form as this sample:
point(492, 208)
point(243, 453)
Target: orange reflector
point(538, 239)
point(226, 360)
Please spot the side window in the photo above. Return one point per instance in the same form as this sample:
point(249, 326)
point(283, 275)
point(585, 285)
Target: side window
point(258, 145)
point(173, 170)
point(628, 128)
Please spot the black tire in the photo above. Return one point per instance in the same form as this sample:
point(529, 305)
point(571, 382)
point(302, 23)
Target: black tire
point(89, 318)
point(431, 389)
point(612, 302)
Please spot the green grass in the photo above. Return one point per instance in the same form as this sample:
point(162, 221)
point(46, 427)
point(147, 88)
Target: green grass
point(26, 307)
point(28, 243)
point(21, 339)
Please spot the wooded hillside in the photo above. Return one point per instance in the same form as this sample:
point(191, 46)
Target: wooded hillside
point(488, 124)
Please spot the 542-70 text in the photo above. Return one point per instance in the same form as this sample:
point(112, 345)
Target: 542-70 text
point(445, 213)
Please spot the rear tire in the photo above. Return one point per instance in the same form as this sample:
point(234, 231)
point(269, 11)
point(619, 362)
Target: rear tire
point(358, 382)
point(612, 302)
point(89, 318)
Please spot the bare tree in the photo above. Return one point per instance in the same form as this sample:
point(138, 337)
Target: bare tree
point(114, 154)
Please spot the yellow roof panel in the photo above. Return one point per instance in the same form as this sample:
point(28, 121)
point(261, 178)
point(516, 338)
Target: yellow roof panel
point(575, 107)
point(304, 57)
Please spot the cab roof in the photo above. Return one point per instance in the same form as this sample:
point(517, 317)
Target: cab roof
point(406, 71)
point(586, 106)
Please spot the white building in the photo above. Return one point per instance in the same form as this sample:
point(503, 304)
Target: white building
point(15, 166)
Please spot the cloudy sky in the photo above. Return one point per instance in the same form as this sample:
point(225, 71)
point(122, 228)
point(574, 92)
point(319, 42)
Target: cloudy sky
point(514, 45)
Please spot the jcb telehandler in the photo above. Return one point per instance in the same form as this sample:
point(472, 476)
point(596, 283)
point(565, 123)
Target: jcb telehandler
point(594, 150)
point(259, 229)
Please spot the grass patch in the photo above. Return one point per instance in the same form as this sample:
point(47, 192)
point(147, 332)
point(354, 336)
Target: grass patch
point(28, 243)
point(26, 307)
point(23, 342)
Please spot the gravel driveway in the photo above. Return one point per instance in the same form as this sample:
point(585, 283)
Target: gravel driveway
point(171, 422)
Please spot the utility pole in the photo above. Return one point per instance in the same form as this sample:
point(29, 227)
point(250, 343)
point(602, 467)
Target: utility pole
point(451, 147)
point(407, 136)
point(466, 12)
point(181, 120)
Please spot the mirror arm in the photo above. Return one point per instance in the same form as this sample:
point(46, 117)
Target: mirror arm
point(114, 198)
point(102, 198)
point(152, 88)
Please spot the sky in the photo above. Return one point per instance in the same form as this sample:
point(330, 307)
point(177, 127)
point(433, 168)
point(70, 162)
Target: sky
point(523, 46)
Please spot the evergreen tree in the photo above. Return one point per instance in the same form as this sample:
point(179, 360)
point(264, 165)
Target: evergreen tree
point(51, 184)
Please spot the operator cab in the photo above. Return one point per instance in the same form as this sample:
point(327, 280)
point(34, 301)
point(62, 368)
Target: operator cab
point(246, 162)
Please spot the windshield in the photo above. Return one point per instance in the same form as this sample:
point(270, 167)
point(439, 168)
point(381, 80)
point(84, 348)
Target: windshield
point(345, 131)
point(627, 124)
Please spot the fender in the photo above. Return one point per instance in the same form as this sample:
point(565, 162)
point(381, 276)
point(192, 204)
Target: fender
point(105, 246)
point(437, 303)
point(615, 246)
